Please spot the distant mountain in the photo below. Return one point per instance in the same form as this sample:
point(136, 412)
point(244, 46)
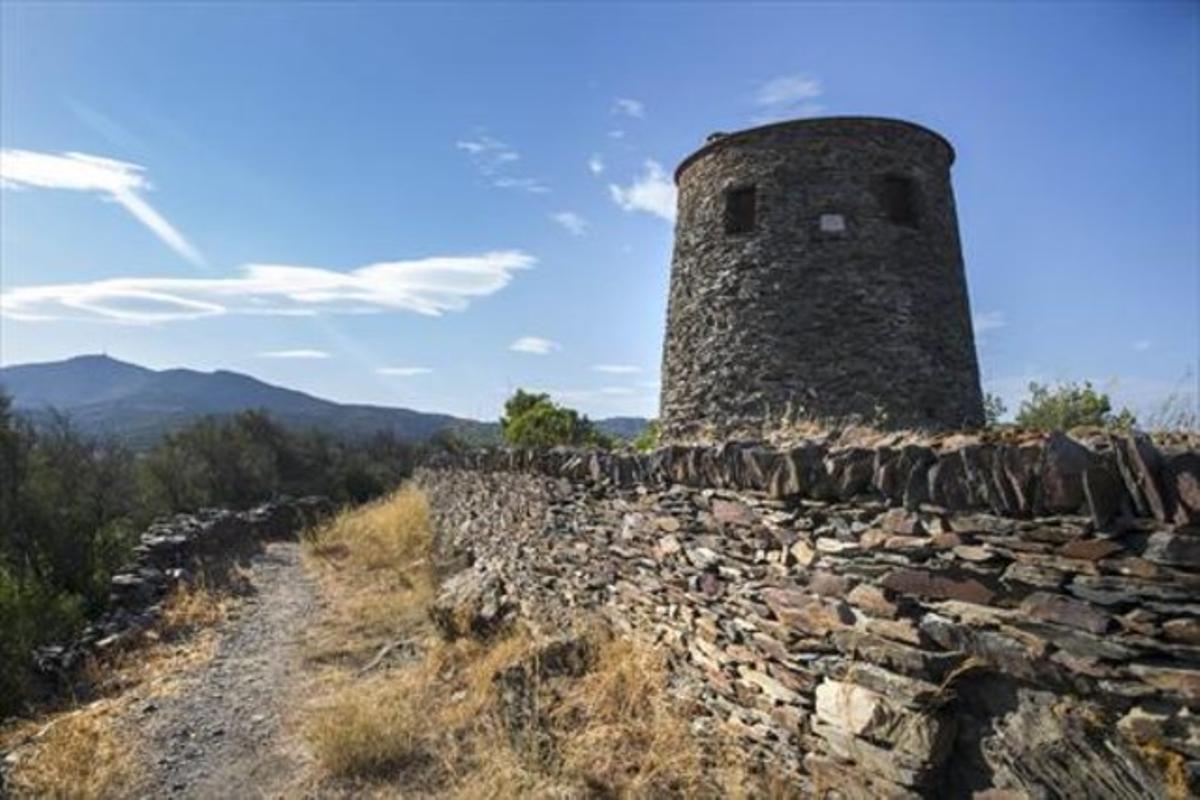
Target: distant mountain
point(105, 396)
point(623, 427)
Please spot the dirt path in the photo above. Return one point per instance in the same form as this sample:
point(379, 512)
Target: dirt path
point(226, 732)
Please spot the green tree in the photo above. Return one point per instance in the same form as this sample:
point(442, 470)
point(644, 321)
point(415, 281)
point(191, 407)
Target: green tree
point(993, 409)
point(533, 420)
point(1070, 405)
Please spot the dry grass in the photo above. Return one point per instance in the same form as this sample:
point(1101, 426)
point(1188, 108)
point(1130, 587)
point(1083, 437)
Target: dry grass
point(437, 724)
point(85, 752)
point(438, 727)
point(183, 639)
point(191, 608)
point(79, 755)
point(373, 566)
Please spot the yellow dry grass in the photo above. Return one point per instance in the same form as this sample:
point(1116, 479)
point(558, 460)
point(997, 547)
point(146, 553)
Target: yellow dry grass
point(435, 725)
point(191, 608)
point(84, 752)
point(183, 639)
point(373, 566)
point(76, 756)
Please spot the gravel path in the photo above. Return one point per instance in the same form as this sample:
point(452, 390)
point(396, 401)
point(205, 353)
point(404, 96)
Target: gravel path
point(222, 735)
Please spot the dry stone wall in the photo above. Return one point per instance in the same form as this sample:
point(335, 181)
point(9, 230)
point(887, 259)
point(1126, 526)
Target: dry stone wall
point(989, 619)
point(170, 552)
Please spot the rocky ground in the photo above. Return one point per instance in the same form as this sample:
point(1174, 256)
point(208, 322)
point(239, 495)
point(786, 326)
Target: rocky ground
point(227, 731)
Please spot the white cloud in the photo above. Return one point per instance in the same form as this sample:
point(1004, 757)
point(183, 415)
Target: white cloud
point(488, 154)
point(788, 96)
point(629, 107)
point(1141, 345)
point(571, 222)
point(293, 354)
point(595, 165)
point(617, 134)
point(531, 185)
point(616, 369)
point(493, 158)
point(653, 192)
point(425, 286)
point(607, 400)
point(119, 181)
point(534, 345)
point(988, 321)
point(403, 372)
point(788, 89)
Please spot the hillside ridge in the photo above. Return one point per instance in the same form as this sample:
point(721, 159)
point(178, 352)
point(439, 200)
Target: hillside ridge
point(104, 395)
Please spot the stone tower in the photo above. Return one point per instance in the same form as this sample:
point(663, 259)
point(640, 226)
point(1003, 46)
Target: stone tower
point(817, 275)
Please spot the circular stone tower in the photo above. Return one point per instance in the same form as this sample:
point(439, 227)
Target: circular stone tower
point(817, 275)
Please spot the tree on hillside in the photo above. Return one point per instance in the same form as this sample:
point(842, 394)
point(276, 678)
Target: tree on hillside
point(533, 420)
point(1070, 405)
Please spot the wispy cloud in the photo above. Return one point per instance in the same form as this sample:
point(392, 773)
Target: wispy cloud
point(309, 354)
point(534, 345)
point(616, 134)
point(403, 372)
point(616, 369)
point(788, 96)
point(629, 107)
point(426, 286)
point(652, 192)
point(531, 185)
point(494, 159)
point(1141, 345)
point(489, 154)
point(571, 222)
point(595, 165)
point(119, 181)
point(607, 399)
point(988, 321)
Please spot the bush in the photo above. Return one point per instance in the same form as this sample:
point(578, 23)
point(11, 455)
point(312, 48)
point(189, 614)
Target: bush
point(993, 409)
point(31, 614)
point(1070, 405)
point(647, 440)
point(72, 507)
point(533, 420)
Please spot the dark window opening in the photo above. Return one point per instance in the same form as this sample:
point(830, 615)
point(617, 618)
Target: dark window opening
point(741, 206)
point(898, 195)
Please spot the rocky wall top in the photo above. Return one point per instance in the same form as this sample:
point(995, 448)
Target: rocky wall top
point(1105, 477)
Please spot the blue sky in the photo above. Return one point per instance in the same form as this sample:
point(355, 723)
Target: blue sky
point(429, 206)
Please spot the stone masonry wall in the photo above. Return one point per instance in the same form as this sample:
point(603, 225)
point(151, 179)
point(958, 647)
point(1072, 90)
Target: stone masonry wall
point(988, 619)
point(170, 552)
point(828, 308)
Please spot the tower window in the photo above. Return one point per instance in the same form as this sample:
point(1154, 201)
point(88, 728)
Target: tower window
point(741, 206)
point(898, 196)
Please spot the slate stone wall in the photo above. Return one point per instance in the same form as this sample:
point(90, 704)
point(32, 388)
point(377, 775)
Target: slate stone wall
point(797, 319)
point(921, 621)
point(171, 552)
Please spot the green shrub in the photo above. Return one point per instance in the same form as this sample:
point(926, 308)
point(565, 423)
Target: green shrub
point(31, 615)
point(993, 409)
point(648, 439)
point(533, 420)
point(1070, 405)
point(72, 507)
